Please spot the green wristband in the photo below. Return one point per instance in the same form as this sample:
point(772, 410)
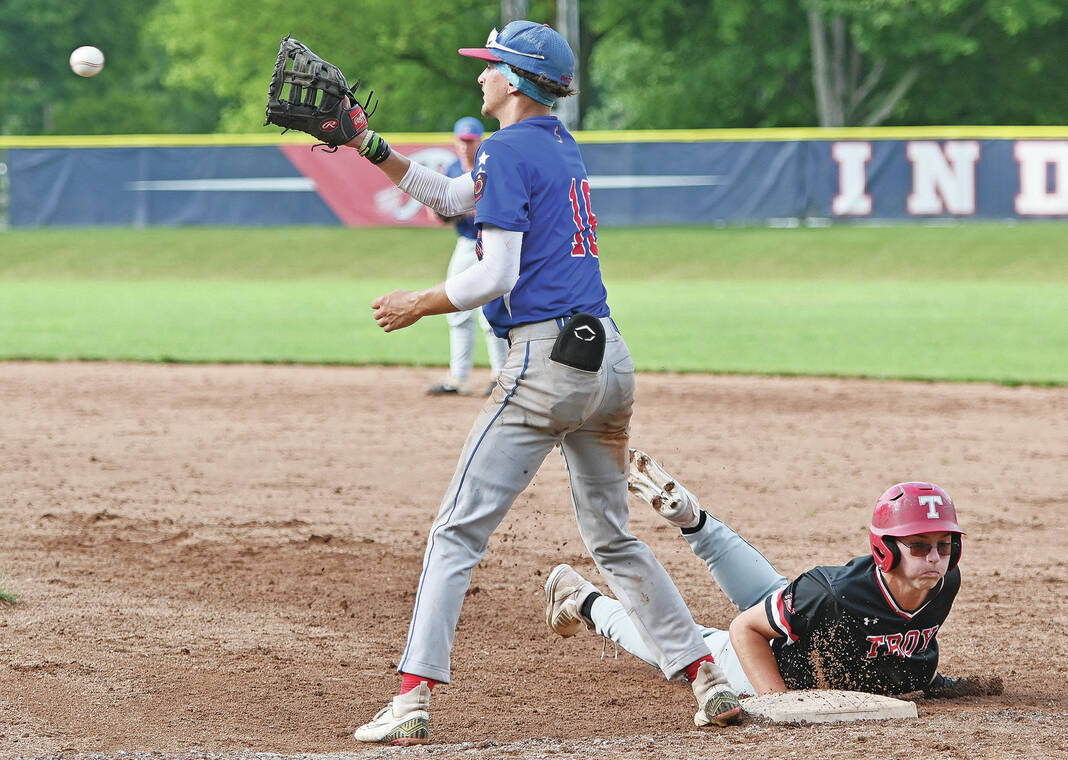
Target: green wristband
point(374, 147)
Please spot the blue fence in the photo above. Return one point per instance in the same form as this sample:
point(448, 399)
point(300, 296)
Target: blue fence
point(689, 181)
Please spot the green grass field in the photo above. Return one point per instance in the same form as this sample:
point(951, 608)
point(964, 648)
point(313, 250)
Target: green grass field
point(971, 302)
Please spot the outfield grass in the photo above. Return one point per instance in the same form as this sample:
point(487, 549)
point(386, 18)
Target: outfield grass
point(977, 302)
point(1033, 252)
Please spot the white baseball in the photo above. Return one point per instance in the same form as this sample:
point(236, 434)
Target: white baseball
point(86, 61)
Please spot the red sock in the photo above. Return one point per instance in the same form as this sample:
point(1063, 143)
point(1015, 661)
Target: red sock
point(693, 667)
point(409, 682)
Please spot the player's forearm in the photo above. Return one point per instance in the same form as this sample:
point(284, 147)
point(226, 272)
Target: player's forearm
point(375, 149)
point(762, 670)
point(758, 660)
point(431, 301)
point(395, 166)
point(402, 308)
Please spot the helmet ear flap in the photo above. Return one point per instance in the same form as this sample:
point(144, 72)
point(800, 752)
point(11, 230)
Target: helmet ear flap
point(886, 552)
point(895, 553)
point(954, 555)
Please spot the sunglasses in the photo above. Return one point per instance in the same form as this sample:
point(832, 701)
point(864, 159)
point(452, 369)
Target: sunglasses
point(922, 548)
point(491, 42)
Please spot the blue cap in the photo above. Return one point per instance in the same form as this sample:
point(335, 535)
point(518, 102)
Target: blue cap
point(468, 128)
point(535, 48)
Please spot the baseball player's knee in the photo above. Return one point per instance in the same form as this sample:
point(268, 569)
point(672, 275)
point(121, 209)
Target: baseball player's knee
point(461, 543)
point(617, 549)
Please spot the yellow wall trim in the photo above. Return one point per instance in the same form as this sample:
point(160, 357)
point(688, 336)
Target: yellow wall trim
point(666, 135)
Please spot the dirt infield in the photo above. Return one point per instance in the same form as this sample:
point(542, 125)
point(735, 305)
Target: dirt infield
point(221, 561)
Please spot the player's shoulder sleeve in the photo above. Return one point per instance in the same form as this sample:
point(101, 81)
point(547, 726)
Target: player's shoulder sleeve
point(793, 610)
point(502, 185)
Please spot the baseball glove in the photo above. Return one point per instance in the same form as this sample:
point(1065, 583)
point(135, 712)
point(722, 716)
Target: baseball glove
point(311, 95)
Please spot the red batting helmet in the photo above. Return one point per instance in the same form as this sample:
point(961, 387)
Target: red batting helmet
point(907, 509)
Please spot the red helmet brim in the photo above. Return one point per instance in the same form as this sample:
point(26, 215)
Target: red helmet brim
point(916, 528)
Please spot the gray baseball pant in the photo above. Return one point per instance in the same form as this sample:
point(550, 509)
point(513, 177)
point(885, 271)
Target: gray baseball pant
point(742, 572)
point(539, 404)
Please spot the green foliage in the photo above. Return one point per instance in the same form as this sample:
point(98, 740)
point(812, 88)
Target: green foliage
point(41, 95)
point(1013, 79)
point(939, 44)
point(203, 65)
point(33, 66)
point(407, 55)
point(700, 65)
point(733, 63)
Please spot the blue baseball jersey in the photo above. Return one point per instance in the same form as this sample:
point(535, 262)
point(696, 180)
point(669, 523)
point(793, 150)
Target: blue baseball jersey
point(530, 177)
point(466, 226)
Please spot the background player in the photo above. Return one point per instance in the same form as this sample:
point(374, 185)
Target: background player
point(568, 380)
point(869, 625)
point(467, 137)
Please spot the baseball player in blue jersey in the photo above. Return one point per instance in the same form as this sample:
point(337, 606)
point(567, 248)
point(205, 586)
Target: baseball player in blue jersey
point(467, 137)
point(568, 380)
point(869, 625)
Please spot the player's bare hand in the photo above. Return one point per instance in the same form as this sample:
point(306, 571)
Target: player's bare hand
point(396, 310)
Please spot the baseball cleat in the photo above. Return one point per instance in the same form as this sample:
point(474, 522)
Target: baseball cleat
point(718, 704)
point(448, 388)
point(721, 709)
point(565, 591)
point(405, 720)
point(649, 482)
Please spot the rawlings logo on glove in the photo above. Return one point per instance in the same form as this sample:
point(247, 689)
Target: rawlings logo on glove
point(359, 119)
point(312, 96)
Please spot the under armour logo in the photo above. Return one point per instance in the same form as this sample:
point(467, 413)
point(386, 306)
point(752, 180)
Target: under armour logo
point(585, 333)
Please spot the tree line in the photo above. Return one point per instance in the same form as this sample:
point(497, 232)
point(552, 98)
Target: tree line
point(202, 66)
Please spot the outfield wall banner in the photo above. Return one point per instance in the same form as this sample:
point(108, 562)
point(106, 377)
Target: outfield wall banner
point(684, 182)
point(232, 185)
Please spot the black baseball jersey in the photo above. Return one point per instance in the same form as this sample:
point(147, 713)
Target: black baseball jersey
point(842, 629)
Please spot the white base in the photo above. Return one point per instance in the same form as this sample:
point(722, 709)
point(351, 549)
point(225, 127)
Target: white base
point(827, 706)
